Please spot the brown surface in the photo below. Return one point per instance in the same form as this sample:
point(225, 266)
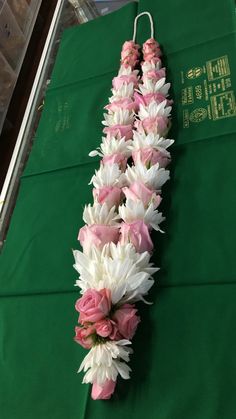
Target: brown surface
point(23, 87)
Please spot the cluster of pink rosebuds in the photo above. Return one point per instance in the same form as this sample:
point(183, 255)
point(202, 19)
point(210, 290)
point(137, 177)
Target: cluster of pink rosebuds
point(130, 54)
point(100, 321)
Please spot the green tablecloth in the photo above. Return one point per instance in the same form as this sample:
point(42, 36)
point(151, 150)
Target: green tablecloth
point(184, 363)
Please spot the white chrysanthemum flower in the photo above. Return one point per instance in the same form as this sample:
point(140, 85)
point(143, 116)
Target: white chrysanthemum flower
point(127, 279)
point(142, 263)
point(127, 71)
point(149, 86)
point(128, 251)
point(135, 210)
point(148, 66)
point(142, 140)
point(112, 145)
point(89, 267)
point(100, 214)
point(108, 175)
point(119, 117)
point(103, 362)
point(154, 109)
point(126, 90)
point(153, 178)
point(92, 271)
point(123, 278)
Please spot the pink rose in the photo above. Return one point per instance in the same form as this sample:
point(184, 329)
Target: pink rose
point(124, 103)
point(149, 56)
point(129, 61)
point(129, 54)
point(94, 305)
point(97, 235)
point(155, 75)
point(148, 98)
point(126, 320)
point(158, 97)
point(115, 334)
point(84, 336)
point(111, 195)
point(119, 81)
point(104, 328)
point(138, 191)
point(151, 45)
point(136, 233)
point(151, 50)
point(119, 131)
point(156, 125)
point(149, 156)
point(103, 391)
point(117, 158)
point(129, 45)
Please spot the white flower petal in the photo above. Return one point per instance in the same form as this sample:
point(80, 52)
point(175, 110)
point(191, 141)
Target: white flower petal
point(107, 175)
point(100, 214)
point(154, 177)
point(104, 362)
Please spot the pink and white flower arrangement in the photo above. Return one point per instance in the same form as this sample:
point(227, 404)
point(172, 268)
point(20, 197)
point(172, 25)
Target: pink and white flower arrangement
point(114, 268)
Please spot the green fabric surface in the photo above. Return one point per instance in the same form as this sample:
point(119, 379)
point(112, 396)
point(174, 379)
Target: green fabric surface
point(180, 365)
point(66, 124)
point(183, 362)
point(43, 232)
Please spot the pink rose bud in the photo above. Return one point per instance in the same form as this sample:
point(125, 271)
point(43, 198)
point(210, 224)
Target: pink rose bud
point(124, 103)
point(139, 191)
point(117, 158)
point(115, 334)
point(156, 125)
point(104, 328)
point(94, 305)
point(149, 156)
point(148, 98)
point(139, 100)
point(155, 75)
point(151, 48)
point(119, 81)
point(97, 235)
point(129, 54)
point(119, 131)
point(138, 234)
point(129, 45)
point(111, 195)
point(103, 391)
point(158, 97)
point(126, 320)
point(84, 336)
point(151, 43)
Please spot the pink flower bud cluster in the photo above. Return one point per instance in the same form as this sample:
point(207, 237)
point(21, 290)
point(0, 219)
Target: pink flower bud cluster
point(100, 321)
point(151, 50)
point(130, 54)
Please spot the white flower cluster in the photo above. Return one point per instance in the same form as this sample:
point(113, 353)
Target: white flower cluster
point(125, 272)
point(103, 362)
point(141, 140)
point(111, 145)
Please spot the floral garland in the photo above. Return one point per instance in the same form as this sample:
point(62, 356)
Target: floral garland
point(114, 267)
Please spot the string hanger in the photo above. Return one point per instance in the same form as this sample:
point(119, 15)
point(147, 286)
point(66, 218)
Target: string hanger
point(136, 20)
